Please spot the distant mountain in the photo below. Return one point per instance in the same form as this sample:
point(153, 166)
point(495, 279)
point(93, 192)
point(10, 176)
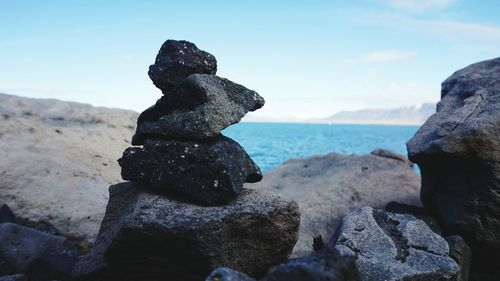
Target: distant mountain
point(409, 115)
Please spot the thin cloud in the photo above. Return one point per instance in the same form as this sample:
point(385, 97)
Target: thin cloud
point(420, 5)
point(452, 29)
point(461, 29)
point(383, 56)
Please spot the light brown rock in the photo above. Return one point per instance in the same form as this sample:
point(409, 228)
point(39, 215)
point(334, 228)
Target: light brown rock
point(58, 159)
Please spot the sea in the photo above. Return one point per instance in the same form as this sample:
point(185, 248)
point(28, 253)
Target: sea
point(271, 144)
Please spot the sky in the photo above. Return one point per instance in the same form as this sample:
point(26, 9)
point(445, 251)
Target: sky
point(307, 58)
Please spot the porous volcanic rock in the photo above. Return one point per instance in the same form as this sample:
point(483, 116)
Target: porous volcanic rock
point(176, 60)
point(147, 236)
point(210, 171)
point(200, 107)
point(39, 255)
point(330, 186)
point(458, 152)
point(395, 247)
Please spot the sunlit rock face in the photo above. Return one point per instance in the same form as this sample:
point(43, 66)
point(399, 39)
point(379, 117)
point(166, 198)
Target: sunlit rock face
point(458, 152)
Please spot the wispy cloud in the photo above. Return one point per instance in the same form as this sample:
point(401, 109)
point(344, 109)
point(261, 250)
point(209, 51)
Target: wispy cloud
point(451, 29)
point(420, 5)
point(383, 56)
point(459, 29)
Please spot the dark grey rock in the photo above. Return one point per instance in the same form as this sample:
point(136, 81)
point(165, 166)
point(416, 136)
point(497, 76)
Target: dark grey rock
point(389, 246)
point(460, 252)
point(417, 211)
point(323, 265)
point(41, 256)
point(458, 152)
point(228, 274)
point(146, 236)
point(6, 214)
point(210, 172)
point(16, 277)
point(200, 107)
point(176, 60)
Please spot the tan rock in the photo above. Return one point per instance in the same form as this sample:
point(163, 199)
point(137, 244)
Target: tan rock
point(58, 159)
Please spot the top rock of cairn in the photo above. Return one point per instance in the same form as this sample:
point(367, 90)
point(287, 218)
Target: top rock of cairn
point(176, 60)
point(183, 151)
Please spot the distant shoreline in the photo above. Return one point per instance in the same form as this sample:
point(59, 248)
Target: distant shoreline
point(324, 123)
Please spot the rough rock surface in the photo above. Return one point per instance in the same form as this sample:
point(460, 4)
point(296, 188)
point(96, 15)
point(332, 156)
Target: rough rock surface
point(458, 152)
point(16, 277)
point(322, 265)
point(390, 246)
point(146, 236)
point(228, 274)
point(328, 187)
point(460, 252)
point(211, 172)
point(39, 255)
point(52, 186)
point(392, 155)
point(200, 107)
point(176, 60)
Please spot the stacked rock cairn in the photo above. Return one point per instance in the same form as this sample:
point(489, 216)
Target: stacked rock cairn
point(185, 211)
point(183, 151)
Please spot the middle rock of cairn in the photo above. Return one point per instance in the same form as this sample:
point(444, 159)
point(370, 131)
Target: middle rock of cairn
point(185, 211)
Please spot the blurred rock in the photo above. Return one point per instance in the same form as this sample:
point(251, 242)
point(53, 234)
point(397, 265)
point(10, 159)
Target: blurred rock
point(461, 253)
point(72, 150)
point(16, 277)
point(323, 265)
point(392, 155)
point(328, 187)
point(37, 254)
point(228, 274)
point(6, 214)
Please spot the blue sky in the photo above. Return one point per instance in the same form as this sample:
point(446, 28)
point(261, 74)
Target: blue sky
point(306, 58)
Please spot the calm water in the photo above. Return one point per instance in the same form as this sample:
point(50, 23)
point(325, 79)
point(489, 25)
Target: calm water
point(270, 144)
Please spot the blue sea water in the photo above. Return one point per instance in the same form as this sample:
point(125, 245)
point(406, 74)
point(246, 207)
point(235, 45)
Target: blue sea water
point(270, 144)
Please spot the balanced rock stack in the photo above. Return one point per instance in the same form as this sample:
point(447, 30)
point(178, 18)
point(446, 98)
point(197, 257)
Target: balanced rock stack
point(185, 211)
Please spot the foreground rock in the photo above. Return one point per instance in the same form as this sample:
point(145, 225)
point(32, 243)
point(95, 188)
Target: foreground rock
point(146, 236)
point(324, 265)
point(228, 274)
point(460, 252)
point(212, 172)
point(15, 277)
point(458, 152)
point(176, 60)
point(52, 186)
point(200, 107)
point(389, 246)
point(328, 187)
point(38, 255)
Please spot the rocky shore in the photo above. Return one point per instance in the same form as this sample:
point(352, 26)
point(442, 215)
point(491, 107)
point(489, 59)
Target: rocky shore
point(194, 205)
